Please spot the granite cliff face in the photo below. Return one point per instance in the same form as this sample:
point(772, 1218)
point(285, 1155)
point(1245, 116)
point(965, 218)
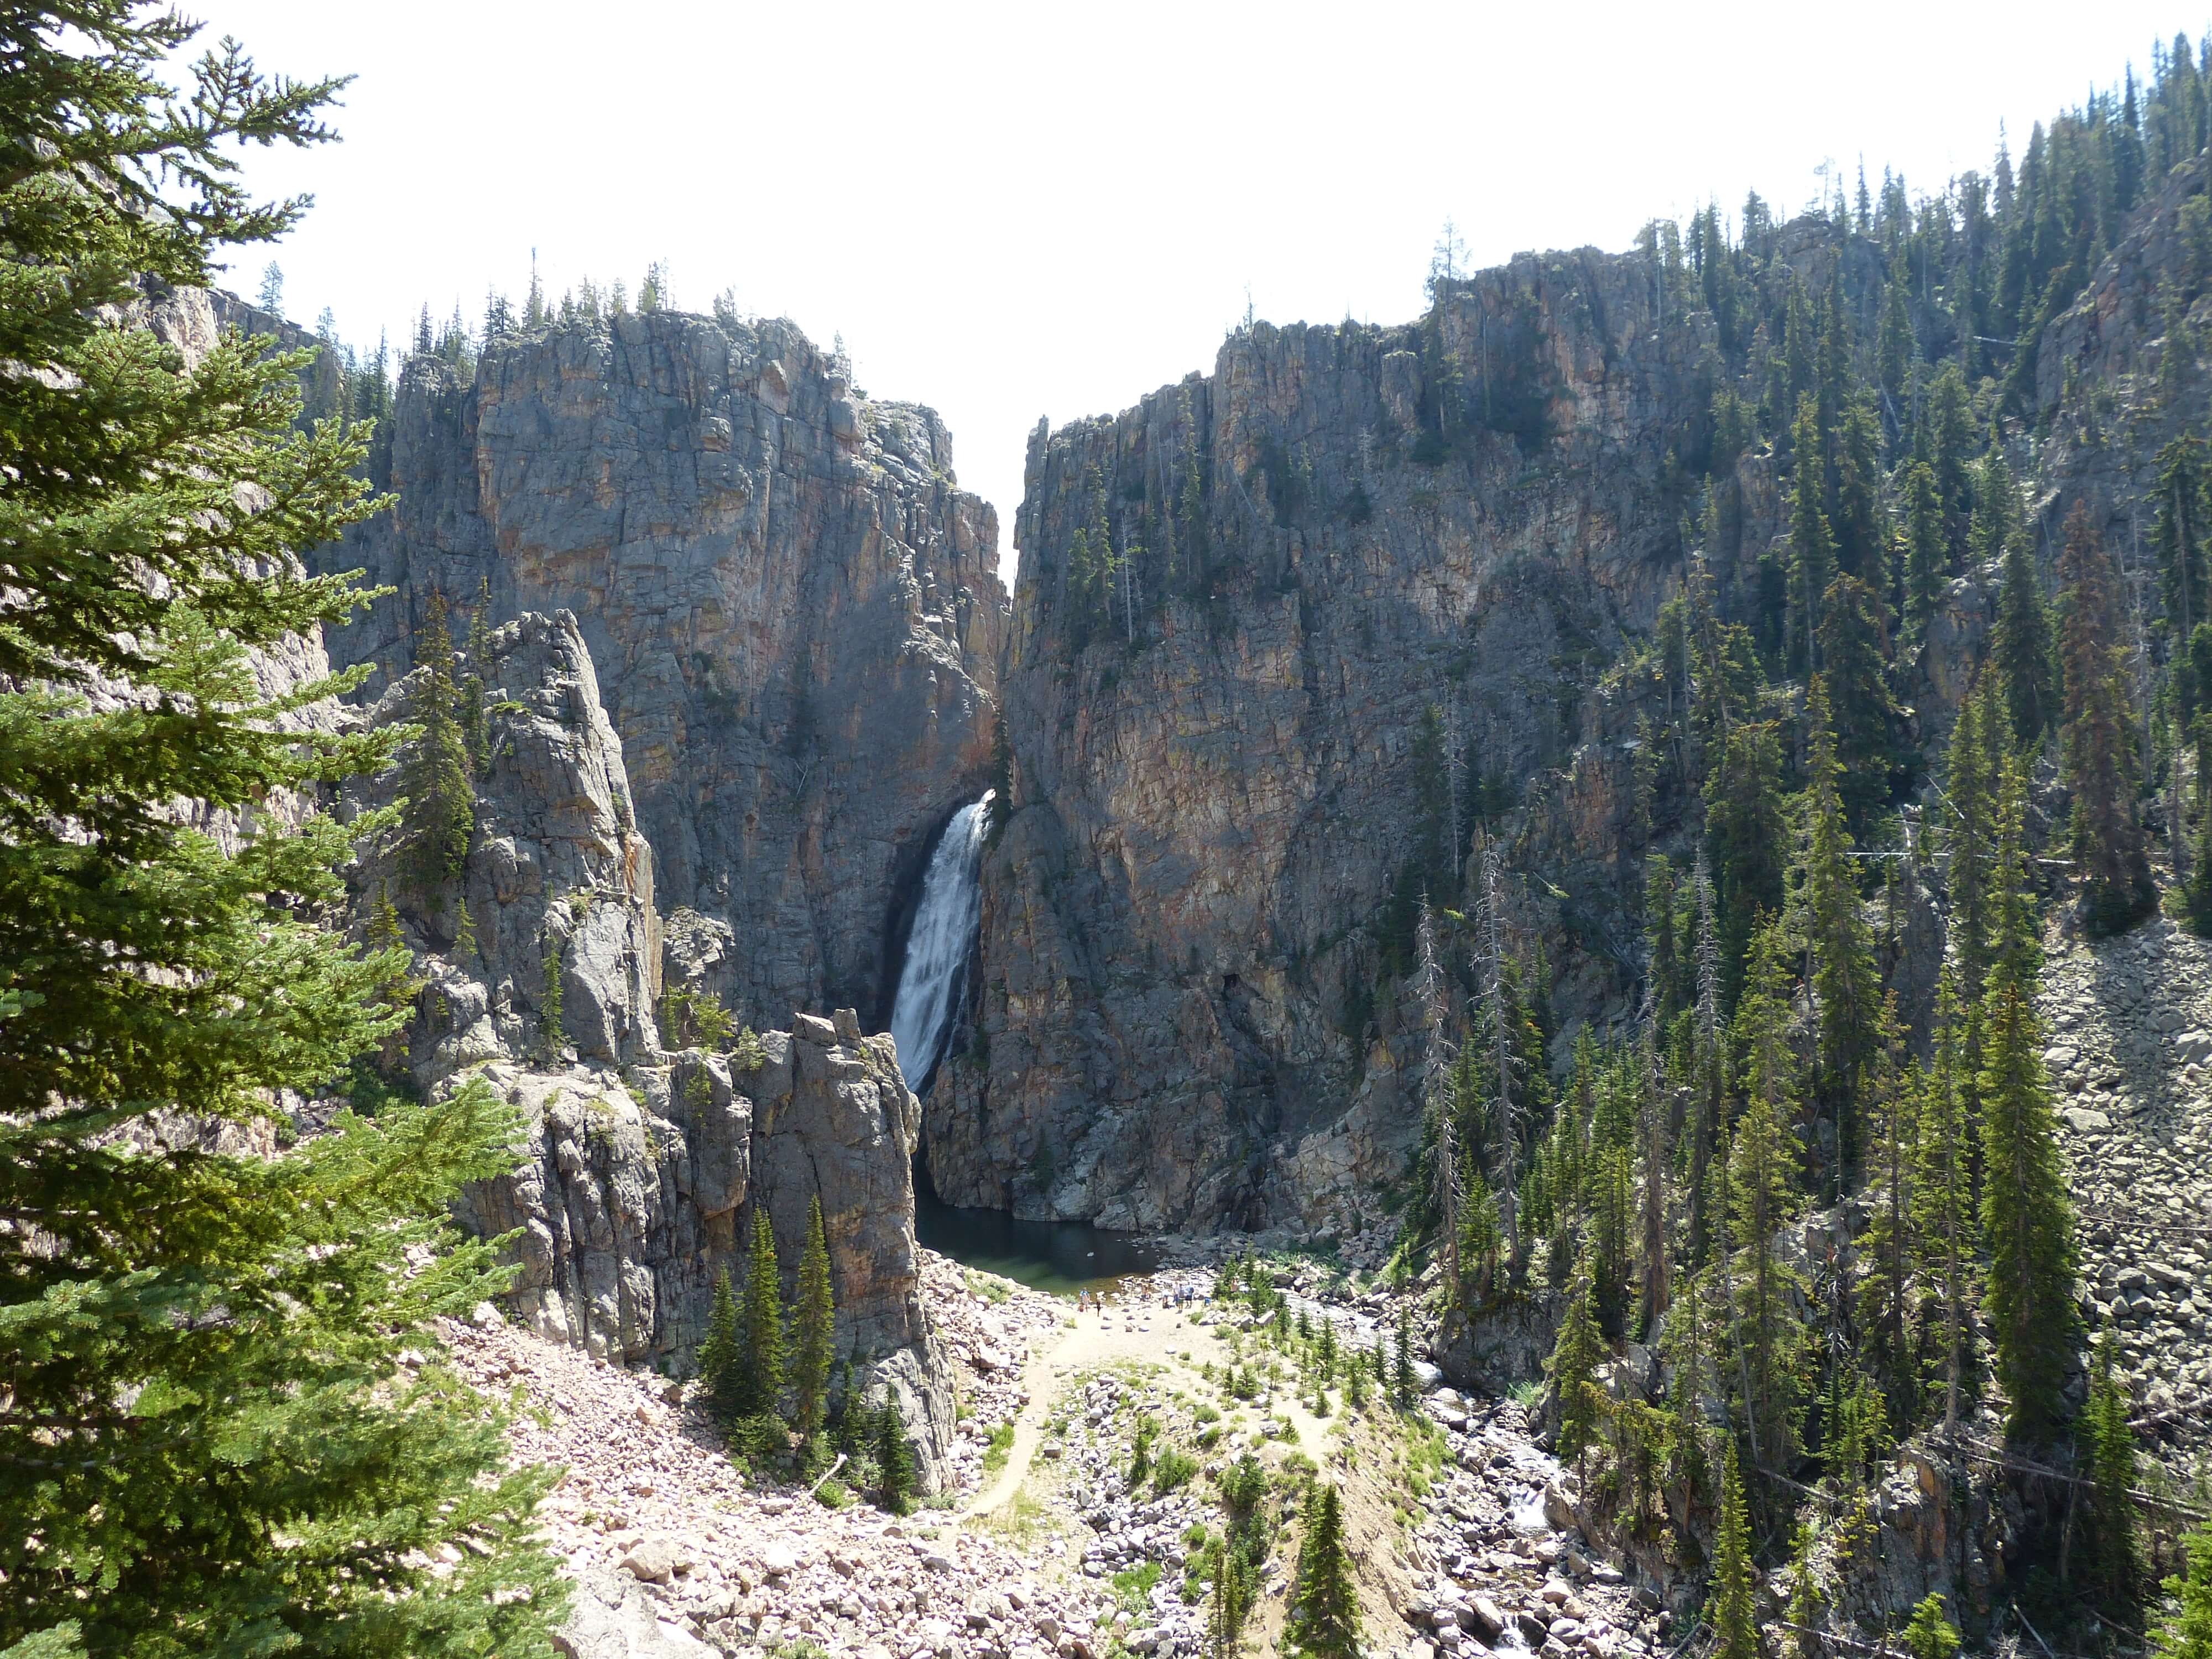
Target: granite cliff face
point(791, 611)
point(1214, 738)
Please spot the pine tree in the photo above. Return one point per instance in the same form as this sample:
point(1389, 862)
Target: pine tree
point(814, 1332)
point(1654, 1277)
point(475, 716)
point(1729, 1606)
point(1747, 836)
point(551, 1035)
point(209, 1444)
point(1224, 1613)
point(1973, 824)
point(2020, 646)
point(464, 933)
point(1406, 1384)
point(1840, 948)
point(384, 921)
point(1802, 1611)
point(1894, 346)
point(1669, 969)
point(1812, 546)
point(1482, 1234)
point(1862, 527)
point(1612, 1250)
point(1854, 671)
point(1942, 1194)
point(440, 814)
point(2197, 891)
point(894, 1458)
point(1573, 1365)
point(2107, 838)
point(1440, 1106)
point(1995, 522)
point(2027, 1225)
point(1927, 547)
point(2016, 937)
point(2109, 1451)
point(1887, 1246)
point(1929, 1635)
point(1324, 1612)
point(720, 1368)
point(2179, 536)
point(1762, 1189)
point(1948, 451)
point(760, 1324)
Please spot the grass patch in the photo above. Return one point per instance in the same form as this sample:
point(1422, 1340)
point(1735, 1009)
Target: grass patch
point(1133, 1589)
point(995, 1453)
point(989, 1287)
point(1018, 1521)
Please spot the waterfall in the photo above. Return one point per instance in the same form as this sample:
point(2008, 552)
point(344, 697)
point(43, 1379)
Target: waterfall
point(937, 946)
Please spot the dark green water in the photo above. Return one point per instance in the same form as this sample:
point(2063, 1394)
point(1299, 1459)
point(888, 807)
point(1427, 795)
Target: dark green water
point(1060, 1257)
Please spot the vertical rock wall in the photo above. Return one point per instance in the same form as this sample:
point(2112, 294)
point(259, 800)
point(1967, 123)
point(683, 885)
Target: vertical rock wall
point(1213, 744)
point(793, 610)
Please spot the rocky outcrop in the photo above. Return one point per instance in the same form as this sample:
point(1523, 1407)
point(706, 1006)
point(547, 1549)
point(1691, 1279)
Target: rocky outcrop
point(2122, 371)
point(629, 1200)
point(1503, 1345)
point(793, 610)
point(557, 869)
point(636, 1165)
point(2121, 375)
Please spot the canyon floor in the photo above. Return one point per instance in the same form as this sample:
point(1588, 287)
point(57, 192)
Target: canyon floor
point(1044, 1548)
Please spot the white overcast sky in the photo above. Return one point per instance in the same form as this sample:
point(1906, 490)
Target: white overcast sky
point(1011, 211)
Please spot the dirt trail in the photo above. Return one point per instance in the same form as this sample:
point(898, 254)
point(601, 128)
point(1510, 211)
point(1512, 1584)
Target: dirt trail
point(1136, 1328)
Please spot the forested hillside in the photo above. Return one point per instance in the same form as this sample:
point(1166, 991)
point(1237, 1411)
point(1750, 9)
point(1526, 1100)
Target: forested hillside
point(1679, 700)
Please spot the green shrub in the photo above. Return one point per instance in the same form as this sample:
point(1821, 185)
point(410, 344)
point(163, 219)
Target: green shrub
point(1171, 1469)
point(759, 1443)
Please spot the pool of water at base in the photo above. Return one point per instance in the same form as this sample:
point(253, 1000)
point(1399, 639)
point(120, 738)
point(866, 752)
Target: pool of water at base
point(1059, 1257)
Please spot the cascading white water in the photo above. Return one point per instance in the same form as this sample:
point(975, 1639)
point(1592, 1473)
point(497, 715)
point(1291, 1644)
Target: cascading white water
point(937, 946)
